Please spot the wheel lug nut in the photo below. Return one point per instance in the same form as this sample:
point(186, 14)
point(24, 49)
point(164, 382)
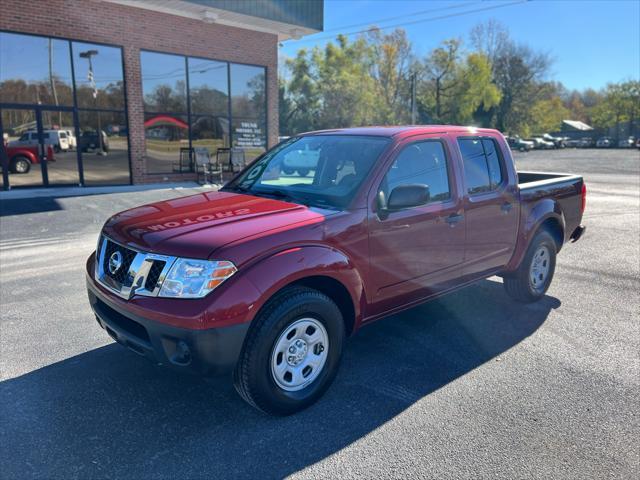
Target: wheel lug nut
point(292, 349)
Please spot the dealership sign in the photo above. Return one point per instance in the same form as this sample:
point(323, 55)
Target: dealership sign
point(248, 134)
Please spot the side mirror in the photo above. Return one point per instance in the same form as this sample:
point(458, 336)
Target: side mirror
point(406, 196)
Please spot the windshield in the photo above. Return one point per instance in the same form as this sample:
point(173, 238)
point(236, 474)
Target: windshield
point(321, 170)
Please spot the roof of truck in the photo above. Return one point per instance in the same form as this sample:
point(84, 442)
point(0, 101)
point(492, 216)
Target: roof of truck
point(402, 130)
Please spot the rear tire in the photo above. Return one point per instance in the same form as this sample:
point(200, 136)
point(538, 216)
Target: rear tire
point(532, 279)
point(303, 172)
point(272, 346)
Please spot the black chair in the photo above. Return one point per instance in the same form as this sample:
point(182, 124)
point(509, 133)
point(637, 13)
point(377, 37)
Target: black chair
point(185, 163)
point(237, 159)
point(223, 159)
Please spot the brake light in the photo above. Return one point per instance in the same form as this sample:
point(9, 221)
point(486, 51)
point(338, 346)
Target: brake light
point(584, 197)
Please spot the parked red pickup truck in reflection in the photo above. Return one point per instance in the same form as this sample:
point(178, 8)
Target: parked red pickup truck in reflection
point(21, 158)
point(267, 277)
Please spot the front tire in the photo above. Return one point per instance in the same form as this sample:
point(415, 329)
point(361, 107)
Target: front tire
point(291, 353)
point(20, 165)
point(534, 275)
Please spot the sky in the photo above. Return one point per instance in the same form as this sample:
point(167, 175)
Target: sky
point(592, 42)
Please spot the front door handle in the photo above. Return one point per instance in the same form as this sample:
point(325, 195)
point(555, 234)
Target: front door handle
point(454, 218)
point(506, 207)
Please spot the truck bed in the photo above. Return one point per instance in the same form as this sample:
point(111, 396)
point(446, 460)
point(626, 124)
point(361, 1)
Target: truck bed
point(536, 180)
point(564, 189)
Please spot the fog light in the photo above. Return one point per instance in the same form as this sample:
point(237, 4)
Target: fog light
point(182, 355)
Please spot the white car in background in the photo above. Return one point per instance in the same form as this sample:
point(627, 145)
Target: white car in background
point(73, 141)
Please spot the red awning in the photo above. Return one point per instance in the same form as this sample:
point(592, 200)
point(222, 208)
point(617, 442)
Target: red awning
point(162, 120)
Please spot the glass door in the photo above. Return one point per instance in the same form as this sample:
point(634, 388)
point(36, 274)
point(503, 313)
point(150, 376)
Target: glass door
point(22, 147)
point(58, 132)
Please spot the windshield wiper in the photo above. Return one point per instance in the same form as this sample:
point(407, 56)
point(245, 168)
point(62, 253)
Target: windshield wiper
point(235, 188)
point(279, 194)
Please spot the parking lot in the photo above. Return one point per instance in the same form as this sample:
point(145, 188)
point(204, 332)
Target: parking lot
point(473, 385)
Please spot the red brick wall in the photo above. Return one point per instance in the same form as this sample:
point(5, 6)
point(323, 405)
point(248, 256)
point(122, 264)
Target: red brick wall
point(135, 29)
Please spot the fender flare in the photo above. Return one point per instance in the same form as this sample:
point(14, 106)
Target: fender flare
point(23, 153)
point(274, 272)
point(530, 222)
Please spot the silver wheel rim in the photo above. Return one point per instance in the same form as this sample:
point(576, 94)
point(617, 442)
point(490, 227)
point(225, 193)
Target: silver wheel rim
point(540, 266)
point(299, 354)
point(21, 166)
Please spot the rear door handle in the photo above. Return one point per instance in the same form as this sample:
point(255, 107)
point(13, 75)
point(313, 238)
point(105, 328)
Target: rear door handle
point(506, 207)
point(454, 218)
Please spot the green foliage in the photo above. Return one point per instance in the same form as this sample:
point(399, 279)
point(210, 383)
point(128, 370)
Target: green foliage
point(621, 103)
point(547, 115)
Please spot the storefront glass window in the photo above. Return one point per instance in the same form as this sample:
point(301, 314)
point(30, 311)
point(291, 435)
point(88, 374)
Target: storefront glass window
point(70, 137)
point(172, 130)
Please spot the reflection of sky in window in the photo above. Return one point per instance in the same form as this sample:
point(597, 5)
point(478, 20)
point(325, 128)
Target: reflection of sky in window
point(107, 64)
point(161, 69)
point(241, 77)
point(27, 57)
point(208, 74)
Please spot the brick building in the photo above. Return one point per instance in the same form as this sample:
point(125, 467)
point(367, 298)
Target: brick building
point(123, 91)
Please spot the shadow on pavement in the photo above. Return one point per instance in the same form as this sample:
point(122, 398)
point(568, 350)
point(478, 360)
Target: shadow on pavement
point(26, 206)
point(108, 412)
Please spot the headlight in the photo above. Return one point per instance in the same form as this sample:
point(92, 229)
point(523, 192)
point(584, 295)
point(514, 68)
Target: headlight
point(195, 278)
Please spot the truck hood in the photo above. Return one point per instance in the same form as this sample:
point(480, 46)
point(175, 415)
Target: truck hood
point(197, 225)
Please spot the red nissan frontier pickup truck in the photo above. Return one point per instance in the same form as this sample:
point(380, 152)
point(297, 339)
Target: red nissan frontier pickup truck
point(267, 277)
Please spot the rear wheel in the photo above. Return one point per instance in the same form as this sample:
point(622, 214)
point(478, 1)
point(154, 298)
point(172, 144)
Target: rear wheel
point(532, 279)
point(292, 352)
point(303, 172)
point(20, 164)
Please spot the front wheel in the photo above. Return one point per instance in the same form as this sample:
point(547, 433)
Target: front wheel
point(20, 165)
point(292, 352)
point(532, 279)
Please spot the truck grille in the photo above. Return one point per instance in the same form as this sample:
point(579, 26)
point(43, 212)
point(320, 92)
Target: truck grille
point(127, 272)
point(154, 274)
point(121, 276)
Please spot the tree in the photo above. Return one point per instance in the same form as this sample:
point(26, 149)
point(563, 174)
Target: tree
point(346, 88)
point(454, 86)
point(303, 101)
point(547, 115)
point(518, 72)
point(490, 38)
point(620, 103)
point(441, 79)
point(391, 66)
point(475, 91)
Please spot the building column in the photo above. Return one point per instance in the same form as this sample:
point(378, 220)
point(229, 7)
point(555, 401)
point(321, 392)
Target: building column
point(135, 113)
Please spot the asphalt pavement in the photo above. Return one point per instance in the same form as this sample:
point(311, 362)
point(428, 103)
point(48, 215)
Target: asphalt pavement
point(473, 385)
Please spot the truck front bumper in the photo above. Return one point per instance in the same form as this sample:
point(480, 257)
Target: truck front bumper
point(206, 352)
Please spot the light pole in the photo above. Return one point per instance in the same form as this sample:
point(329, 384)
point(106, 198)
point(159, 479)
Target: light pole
point(90, 76)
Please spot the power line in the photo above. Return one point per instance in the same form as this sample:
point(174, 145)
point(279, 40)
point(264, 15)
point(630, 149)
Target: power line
point(431, 19)
point(413, 14)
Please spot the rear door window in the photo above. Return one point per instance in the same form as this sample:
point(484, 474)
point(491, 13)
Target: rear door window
point(482, 165)
point(493, 162)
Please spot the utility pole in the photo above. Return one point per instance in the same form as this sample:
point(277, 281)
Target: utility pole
point(90, 76)
point(413, 98)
